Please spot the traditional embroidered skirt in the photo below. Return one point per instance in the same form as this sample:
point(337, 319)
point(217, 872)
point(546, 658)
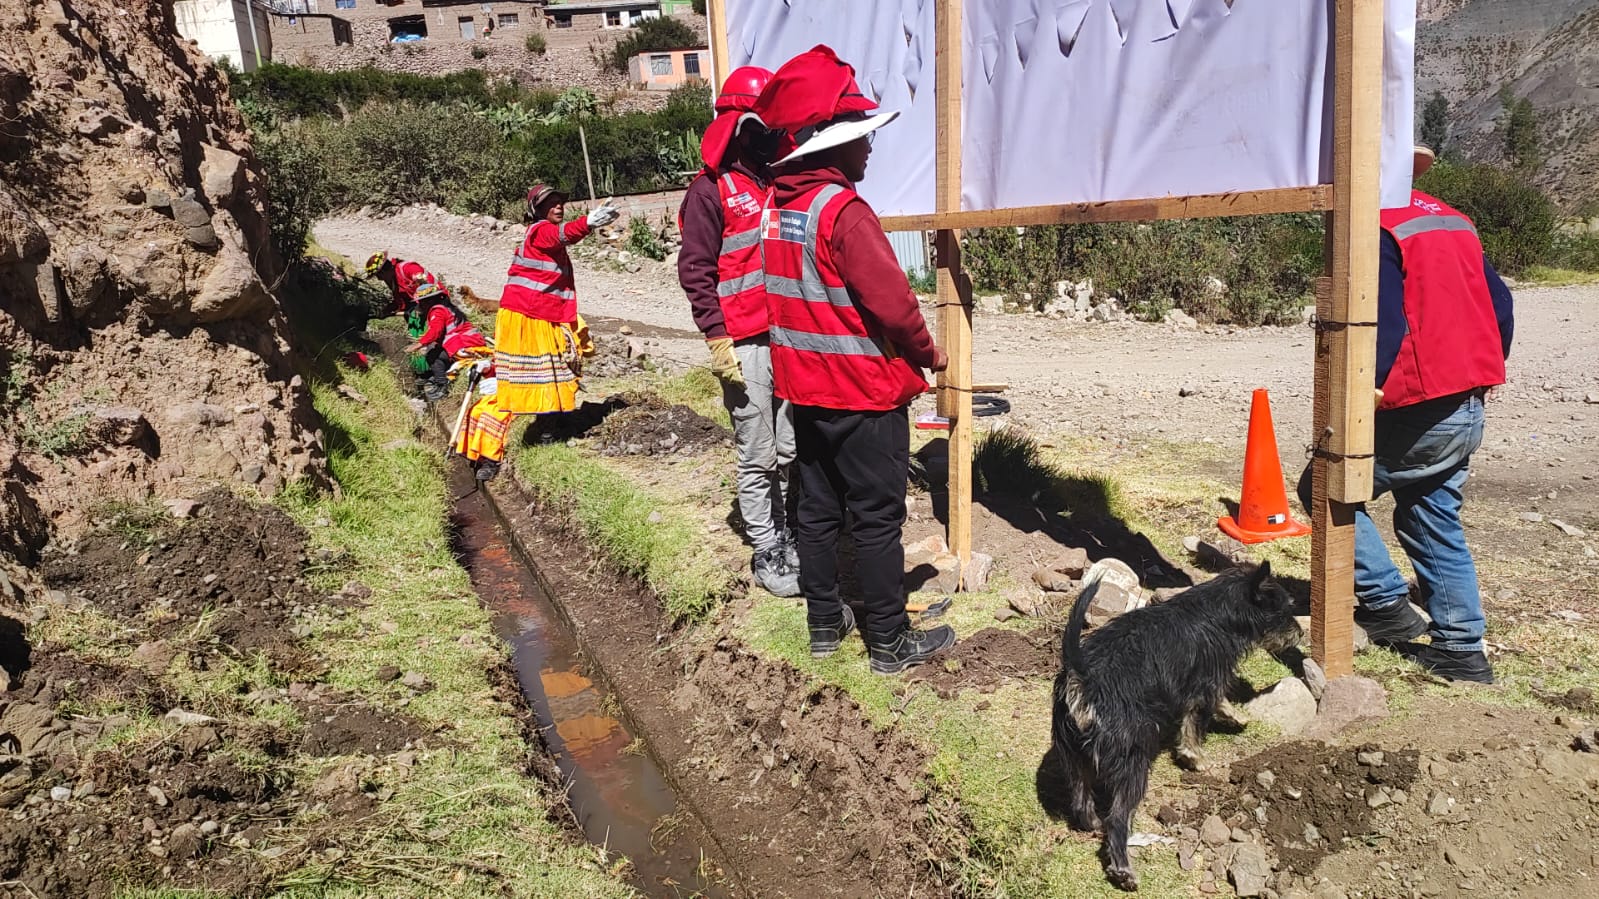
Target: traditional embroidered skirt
point(485, 431)
point(537, 363)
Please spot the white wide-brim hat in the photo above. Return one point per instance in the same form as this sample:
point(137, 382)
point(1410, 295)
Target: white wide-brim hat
point(1421, 160)
point(836, 133)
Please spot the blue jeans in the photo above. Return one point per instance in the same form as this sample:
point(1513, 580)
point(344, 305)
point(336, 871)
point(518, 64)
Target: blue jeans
point(1423, 453)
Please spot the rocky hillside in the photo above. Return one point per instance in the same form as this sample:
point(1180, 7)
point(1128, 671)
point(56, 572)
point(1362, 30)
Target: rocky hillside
point(142, 353)
point(1546, 51)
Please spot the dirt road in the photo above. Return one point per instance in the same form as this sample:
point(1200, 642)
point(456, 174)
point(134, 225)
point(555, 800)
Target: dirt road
point(1120, 381)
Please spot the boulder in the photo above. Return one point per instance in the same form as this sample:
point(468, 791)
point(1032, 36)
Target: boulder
point(232, 289)
point(1288, 706)
point(221, 175)
point(1073, 562)
point(1116, 573)
point(975, 577)
point(1345, 701)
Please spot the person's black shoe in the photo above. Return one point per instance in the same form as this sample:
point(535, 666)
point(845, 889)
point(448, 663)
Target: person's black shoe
point(1450, 664)
point(770, 567)
point(791, 548)
point(1396, 624)
point(827, 638)
point(487, 469)
point(909, 648)
point(433, 392)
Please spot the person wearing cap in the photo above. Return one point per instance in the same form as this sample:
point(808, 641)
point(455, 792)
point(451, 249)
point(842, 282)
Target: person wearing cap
point(1444, 325)
point(539, 337)
point(409, 286)
point(446, 335)
point(848, 348)
point(719, 268)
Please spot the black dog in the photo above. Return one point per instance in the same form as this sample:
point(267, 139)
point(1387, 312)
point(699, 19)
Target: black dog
point(1149, 679)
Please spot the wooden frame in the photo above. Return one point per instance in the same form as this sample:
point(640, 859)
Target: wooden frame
point(1346, 297)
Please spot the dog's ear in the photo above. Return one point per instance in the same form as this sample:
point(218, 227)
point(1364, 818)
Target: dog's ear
point(1258, 577)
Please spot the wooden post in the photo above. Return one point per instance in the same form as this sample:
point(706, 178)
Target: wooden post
point(716, 25)
point(588, 170)
point(1346, 340)
point(954, 288)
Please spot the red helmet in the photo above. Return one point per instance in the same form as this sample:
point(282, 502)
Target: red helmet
point(742, 86)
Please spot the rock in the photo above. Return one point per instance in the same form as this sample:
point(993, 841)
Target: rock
point(1312, 835)
point(635, 348)
point(184, 841)
point(1191, 544)
point(1053, 581)
point(181, 508)
point(1073, 562)
point(208, 828)
point(199, 740)
point(1114, 572)
point(1345, 701)
point(231, 289)
point(1315, 678)
point(1167, 815)
point(975, 576)
point(624, 257)
point(155, 655)
point(924, 551)
point(1214, 831)
point(120, 425)
point(1567, 529)
point(1024, 606)
point(1181, 319)
point(1187, 390)
point(1370, 758)
point(252, 473)
point(1265, 779)
point(60, 794)
point(221, 174)
point(350, 393)
point(416, 681)
point(1288, 706)
point(1249, 870)
point(1591, 398)
point(992, 304)
point(387, 673)
point(157, 795)
point(1005, 614)
point(197, 415)
point(1221, 552)
point(341, 781)
point(1534, 517)
point(1376, 797)
point(1110, 601)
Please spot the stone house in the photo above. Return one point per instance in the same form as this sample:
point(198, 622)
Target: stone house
point(668, 69)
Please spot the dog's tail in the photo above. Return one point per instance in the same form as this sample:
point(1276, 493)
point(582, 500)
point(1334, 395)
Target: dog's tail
point(1070, 645)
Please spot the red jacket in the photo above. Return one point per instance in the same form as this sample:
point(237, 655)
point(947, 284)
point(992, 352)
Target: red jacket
point(719, 265)
point(445, 323)
point(410, 277)
point(539, 283)
point(1452, 341)
point(846, 330)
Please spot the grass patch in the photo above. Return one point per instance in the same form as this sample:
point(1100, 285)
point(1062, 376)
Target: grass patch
point(644, 536)
point(1548, 276)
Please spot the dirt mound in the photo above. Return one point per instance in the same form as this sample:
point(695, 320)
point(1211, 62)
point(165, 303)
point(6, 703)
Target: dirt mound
point(140, 348)
point(355, 729)
point(989, 659)
point(647, 426)
point(238, 563)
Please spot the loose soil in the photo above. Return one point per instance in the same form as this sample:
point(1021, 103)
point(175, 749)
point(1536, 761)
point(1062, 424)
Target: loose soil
point(990, 659)
point(803, 795)
point(96, 795)
point(647, 426)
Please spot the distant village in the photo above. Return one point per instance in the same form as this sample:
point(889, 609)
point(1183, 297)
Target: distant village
point(532, 41)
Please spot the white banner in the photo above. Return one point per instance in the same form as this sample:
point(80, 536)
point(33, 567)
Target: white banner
point(1069, 101)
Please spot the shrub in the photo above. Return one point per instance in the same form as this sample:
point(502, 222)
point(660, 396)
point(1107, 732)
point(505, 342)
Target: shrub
point(536, 43)
point(1576, 252)
point(643, 240)
point(649, 36)
point(1516, 221)
point(479, 52)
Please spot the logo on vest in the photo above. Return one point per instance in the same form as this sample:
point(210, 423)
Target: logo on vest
point(742, 204)
point(786, 224)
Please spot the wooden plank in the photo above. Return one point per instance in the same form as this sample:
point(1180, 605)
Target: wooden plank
point(716, 24)
point(990, 387)
point(1346, 305)
point(1318, 198)
point(954, 288)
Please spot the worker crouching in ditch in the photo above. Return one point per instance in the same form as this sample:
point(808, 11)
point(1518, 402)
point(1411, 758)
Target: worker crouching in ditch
point(848, 344)
point(719, 268)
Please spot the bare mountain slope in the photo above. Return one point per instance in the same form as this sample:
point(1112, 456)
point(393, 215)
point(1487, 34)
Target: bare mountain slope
point(1544, 50)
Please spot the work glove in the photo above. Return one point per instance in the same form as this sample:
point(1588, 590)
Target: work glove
point(600, 216)
point(724, 362)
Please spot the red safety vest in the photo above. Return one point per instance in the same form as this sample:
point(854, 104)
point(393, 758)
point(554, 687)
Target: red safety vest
point(539, 284)
point(823, 352)
point(446, 325)
point(1451, 341)
point(409, 277)
point(741, 281)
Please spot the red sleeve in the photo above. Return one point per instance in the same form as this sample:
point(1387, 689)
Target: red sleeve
point(547, 239)
point(438, 319)
point(877, 283)
point(696, 260)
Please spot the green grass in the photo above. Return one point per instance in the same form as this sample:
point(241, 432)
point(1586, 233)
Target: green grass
point(1546, 276)
point(670, 555)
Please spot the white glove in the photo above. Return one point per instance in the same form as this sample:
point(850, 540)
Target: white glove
point(600, 216)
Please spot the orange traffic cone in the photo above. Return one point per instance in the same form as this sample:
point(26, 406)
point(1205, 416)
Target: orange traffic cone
point(1263, 506)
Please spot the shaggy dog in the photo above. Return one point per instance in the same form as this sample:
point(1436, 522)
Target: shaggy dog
point(1152, 679)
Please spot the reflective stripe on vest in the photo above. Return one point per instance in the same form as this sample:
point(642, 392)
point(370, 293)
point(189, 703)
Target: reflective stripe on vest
point(1451, 342)
point(551, 289)
point(830, 344)
point(543, 265)
point(540, 284)
point(740, 281)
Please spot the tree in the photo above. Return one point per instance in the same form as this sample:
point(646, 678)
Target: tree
point(1521, 132)
point(650, 36)
point(1435, 122)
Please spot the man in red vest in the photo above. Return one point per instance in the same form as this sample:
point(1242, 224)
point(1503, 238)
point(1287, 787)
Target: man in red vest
point(719, 267)
point(1444, 324)
point(848, 348)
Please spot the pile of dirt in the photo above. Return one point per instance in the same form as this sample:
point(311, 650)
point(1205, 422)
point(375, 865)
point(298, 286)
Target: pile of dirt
point(141, 351)
point(989, 659)
point(648, 426)
point(113, 772)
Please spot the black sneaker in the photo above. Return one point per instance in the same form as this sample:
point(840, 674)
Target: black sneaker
point(487, 469)
point(1450, 664)
point(434, 392)
point(826, 639)
point(1396, 624)
point(770, 567)
point(909, 648)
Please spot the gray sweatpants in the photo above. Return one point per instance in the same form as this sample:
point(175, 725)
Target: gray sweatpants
point(763, 432)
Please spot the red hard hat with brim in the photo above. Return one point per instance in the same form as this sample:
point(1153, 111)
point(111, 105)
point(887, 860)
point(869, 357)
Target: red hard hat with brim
point(815, 99)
